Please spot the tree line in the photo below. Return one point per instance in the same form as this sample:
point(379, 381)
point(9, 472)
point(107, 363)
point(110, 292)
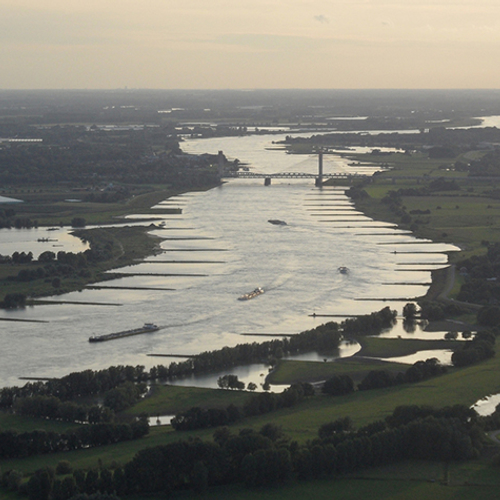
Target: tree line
point(25, 444)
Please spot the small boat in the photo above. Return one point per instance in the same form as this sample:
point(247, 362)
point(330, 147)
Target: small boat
point(146, 328)
point(252, 294)
point(277, 222)
point(343, 270)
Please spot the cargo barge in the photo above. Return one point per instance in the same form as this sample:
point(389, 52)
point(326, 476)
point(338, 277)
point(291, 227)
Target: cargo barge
point(146, 328)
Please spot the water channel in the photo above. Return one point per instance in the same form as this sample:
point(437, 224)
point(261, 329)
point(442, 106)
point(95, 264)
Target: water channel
point(219, 248)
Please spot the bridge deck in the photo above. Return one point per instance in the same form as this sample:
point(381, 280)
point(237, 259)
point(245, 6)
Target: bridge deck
point(288, 175)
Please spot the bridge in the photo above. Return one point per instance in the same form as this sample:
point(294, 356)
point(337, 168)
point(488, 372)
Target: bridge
point(245, 174)
point(287, 175)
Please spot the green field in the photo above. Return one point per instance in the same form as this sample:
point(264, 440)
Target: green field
point(170, 399)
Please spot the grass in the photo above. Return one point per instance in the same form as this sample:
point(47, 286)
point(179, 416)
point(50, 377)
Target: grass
point(288, 372)
point(170, 399)
point(357, 366)
point(20, 423)
point(390, 348)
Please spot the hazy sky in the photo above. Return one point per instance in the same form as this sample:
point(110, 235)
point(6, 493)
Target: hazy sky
point(249, 44)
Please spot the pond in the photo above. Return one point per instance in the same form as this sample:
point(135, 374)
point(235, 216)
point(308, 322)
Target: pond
point(487, 405)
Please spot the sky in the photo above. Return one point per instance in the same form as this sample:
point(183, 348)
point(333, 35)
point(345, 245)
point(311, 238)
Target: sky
point(242, 44)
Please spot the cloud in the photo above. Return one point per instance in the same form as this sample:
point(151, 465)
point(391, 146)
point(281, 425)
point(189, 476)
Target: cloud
point(321, 19)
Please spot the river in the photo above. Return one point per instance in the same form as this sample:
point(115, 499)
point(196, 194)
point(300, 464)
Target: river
point(219, 248)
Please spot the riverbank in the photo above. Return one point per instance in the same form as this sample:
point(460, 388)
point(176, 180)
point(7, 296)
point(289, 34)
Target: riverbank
point(124, 246)
point(464, 212)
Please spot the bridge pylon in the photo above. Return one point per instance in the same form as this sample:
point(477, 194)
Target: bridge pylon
point(319, 180)
point(220, 163)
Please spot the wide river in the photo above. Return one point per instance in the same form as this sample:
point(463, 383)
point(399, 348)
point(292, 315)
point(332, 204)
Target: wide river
point(219, 248)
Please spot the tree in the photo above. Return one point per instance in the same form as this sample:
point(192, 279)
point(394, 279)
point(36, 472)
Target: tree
point(338, 385)
point(14, 479)
point(409, 310)
point(91, 482)
point(64, 467)
point(14, 300)
point(47, 256)
point(106, 481)
point(230, 382)
point(65, 489)
point(40, 484)
point(199, 478)
point(272, 431)
point(340, 425)
point(376, 379)
point(119, 481)
point(78, 222)
point(489, 316)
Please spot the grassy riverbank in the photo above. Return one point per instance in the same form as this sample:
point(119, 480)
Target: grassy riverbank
point(466, 214)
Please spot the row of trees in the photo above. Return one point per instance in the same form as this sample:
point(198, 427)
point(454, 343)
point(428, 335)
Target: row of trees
point(21, 445)
point(52, 408)
point(7, 221)
point(370, 324)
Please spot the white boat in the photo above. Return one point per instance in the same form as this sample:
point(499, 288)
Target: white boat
point(252, 294)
